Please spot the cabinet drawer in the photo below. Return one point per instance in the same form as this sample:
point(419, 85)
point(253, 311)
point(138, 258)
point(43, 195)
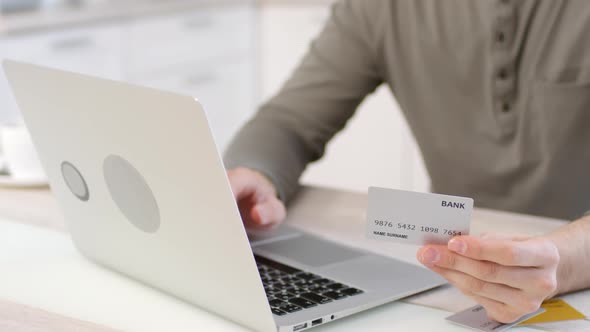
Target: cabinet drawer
point(94, 51)
point(159, 43)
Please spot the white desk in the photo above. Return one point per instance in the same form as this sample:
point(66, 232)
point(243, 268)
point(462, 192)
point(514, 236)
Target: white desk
point(40, 268)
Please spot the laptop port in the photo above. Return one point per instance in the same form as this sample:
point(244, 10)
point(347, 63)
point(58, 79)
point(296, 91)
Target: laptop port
point(316, 322)
point(299, 327)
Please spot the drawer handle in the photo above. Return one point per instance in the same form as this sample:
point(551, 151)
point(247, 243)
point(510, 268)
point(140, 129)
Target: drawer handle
point(72, 43)
point(202, 79)
point(198, 23)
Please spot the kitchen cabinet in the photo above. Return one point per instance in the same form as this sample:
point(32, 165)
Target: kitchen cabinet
point(207, 52)
point(376, 148)
point(92, 50)
point(156, 44)
point(211, 56)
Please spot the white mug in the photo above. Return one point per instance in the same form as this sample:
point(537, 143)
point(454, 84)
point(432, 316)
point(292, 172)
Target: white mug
point(19, 154)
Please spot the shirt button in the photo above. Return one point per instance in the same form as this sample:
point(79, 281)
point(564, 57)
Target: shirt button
point(505, 107)
point(502, 74)
point(500, 37)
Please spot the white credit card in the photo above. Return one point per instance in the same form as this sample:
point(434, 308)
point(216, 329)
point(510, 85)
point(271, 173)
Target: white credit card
point(477, 319)
point(416, 218)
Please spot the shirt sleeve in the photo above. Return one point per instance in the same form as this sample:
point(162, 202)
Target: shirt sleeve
point(293, 128)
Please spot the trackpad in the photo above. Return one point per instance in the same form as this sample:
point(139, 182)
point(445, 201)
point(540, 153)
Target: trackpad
point(310, 251)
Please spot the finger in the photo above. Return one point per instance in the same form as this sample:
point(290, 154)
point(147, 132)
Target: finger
point(517, 277)
point(246, 182)
point(493, 307)
point(504, 252)
point(496, 310)
point(497, 236)
point(241, 185)
point(501, 293)
point(270, 212)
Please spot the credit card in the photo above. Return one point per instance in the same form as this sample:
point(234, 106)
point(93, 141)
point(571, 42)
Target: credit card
point(555, 310)
point(477, 319)
point(416, 218)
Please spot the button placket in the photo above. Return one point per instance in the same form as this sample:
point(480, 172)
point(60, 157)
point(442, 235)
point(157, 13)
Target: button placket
point(504, 64)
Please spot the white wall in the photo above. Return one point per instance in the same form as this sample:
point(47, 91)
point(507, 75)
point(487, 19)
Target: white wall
point(206, 52)
point(376, 148)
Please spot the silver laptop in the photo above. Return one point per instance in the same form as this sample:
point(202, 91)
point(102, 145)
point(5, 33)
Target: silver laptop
point(144, 192)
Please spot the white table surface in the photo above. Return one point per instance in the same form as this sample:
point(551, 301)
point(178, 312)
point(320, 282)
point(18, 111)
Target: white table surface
point(40, 268)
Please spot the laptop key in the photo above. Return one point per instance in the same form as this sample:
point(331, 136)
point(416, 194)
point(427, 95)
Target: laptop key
point(287, 288)
point(273, 292)
point(334, 295)
point(316, 288)
point(323, 281)
point(278, 312)
point(276, 265)
point(321, 290)
point(275, 302)
point(299, 284)
point(282, 287)
point(350, 291)
point(290, 308)
point(316, 298)
point(276, 283)
point(307, 276)
point(297, 290)
point(304, 303)
point(284, 296)
point(296, 280)
point(336, 286)
point(310, 283)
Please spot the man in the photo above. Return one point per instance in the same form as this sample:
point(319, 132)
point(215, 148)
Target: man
point(497, 94)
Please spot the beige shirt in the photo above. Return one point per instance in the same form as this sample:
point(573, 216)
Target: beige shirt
point(497, 94)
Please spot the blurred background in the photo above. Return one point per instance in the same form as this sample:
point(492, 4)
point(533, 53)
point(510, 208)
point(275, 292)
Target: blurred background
point(230, 54)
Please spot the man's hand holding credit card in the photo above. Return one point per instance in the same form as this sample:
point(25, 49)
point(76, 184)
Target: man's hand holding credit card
point(509, 276)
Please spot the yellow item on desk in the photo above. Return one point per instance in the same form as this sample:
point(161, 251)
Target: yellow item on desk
point(555, 310)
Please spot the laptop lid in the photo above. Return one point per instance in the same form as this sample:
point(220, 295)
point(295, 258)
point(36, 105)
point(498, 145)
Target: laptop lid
point(142, 187)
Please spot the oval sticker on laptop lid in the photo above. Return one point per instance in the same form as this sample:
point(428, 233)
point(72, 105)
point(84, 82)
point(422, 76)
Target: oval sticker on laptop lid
point(75, 181)
point(131, 193)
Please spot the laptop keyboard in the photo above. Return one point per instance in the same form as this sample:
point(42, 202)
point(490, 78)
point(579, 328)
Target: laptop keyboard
point(289, 289)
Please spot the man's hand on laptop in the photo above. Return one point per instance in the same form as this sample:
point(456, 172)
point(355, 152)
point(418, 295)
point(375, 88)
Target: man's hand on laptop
point(257, 198)
point(509, 276)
